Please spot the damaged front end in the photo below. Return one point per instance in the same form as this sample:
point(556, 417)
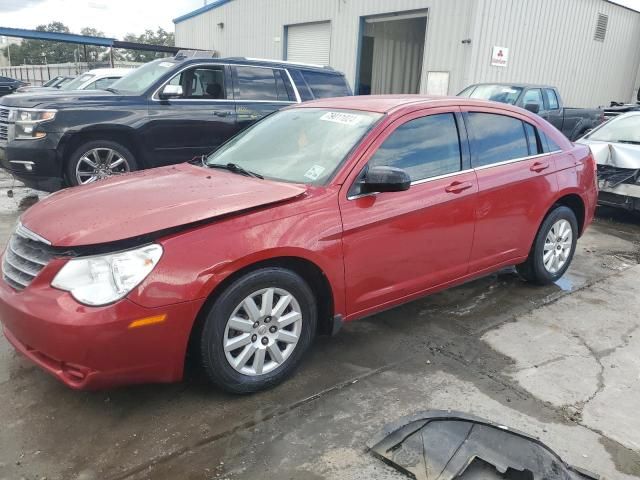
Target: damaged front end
point(618, 173)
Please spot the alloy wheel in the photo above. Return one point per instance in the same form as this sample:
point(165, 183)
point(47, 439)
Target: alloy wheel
point(557, 246)
point(100, 163)
point(262, 331)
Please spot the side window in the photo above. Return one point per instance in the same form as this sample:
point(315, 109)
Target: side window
point(533, 142)
point(497, 138)
point(301, 85)
point(425, 147)
point(325, 85)
point(552, 99)
point(201, 83)
point(91, 86)
point(533, 96)
point(104, 83)
point(257, 83)
point(548, 145)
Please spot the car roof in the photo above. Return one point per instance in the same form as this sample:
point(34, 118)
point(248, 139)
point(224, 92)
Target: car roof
point(258, 62)
point(392, 103)
point(109, 71)
point(516, 85)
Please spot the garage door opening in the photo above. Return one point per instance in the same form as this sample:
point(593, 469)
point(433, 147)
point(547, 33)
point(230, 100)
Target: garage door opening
point(391, 53)
point(308, 43)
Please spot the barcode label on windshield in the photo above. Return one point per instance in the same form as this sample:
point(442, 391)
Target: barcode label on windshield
point(340, 117)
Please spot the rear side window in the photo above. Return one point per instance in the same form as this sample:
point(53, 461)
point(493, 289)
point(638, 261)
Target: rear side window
point(497, 138)
point(552, 99)
point(532, 139)
point(548, 145)
point(425, 147)
point(257, 83)
point(325, 85)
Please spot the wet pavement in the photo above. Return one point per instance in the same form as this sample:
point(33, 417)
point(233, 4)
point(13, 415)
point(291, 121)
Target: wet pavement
point(559, 362)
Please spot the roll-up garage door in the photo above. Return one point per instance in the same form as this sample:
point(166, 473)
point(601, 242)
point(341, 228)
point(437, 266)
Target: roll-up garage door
point(309, 43)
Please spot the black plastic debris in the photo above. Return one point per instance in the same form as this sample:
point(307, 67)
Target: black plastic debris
point(442, 445)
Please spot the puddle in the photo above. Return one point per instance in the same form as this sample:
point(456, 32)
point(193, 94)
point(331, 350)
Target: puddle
point(565, 283)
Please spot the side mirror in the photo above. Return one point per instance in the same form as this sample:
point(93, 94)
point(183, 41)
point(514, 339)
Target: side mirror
point(385, 179)
point(170, 91)
point(532, 107)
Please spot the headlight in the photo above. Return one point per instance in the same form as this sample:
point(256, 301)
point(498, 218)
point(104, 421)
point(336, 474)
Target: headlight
point(103, 279)
point(26, 121)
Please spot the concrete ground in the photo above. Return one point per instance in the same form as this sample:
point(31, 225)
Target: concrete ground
point(559, 362)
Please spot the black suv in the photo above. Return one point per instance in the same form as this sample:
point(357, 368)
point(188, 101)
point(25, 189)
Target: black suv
point(164, 112)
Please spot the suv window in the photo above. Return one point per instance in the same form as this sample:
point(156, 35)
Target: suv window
point(258, 83)
point(533, 96)
point(425, 147)
point(325, 85)
point(497, 138)
point(552, 99)
point(201, 83)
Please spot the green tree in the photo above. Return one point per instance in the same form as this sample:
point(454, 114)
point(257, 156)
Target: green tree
point(94, 53)
point(37, 52)
point(159, 37)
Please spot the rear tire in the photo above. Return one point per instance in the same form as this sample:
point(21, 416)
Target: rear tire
point(553, 248)
point(258, 330)
point(103, 158)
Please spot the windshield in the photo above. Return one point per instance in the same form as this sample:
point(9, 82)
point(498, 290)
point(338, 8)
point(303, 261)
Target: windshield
point(624, 129)
point(496, 93)
point(139, 80)
point(52, 82)
point(76, 82)
point(302, 145)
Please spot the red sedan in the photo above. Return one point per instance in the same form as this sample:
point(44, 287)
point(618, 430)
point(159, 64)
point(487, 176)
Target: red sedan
point(319, 214)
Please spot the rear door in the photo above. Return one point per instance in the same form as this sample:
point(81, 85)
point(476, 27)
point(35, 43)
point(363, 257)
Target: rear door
point(259, 91)
point(553, 111)
point(196, 123)
point(398, 244)
point(516, 184)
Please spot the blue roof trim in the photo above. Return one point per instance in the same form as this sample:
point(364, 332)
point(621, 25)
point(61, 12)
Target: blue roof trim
point(206, 8)
point(56, 36)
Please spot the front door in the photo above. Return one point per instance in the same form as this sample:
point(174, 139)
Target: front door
point(196, 123)
point(397, 244)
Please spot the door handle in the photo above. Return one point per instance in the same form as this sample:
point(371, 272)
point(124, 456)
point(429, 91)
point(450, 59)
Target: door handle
point(539, 166)
point(221, 114)
point(457, 187)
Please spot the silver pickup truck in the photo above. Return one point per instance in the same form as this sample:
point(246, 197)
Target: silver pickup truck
point(544, 100)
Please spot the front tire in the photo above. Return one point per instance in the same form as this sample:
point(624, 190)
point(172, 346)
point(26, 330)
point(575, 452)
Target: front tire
point(99, 159)
point(553, 248)
point(257, 331)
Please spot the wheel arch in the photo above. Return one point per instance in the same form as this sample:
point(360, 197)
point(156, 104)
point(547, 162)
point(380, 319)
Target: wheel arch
point(307, 269)
point(576, 203)
point(113, 133)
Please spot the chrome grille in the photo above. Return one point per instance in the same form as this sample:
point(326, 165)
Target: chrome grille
point(24, 258)
point(4, 124)
point(4, 132)
point(4, 113)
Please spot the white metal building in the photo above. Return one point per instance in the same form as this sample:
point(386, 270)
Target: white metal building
point(589, 49)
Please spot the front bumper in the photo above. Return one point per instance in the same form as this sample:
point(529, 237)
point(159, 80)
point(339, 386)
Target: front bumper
point(624, 195)
point(34, 162)
point(92, 348)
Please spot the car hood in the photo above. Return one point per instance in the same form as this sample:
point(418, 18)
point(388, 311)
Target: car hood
point(43, 97)
point(620, 155)
point(148, 202)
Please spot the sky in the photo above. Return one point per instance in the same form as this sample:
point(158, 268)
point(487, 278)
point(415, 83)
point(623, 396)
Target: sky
point(115, 18)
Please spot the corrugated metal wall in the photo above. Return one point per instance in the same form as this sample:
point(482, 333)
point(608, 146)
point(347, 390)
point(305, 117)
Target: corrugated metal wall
point(549, 41)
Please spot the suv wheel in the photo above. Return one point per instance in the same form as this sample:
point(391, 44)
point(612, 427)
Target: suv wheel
point(553, 248)
point(258, 330)
point(97, 160)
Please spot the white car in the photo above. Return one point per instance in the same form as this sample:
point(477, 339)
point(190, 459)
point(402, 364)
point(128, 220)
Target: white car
point(616, 148)
point(97, 79)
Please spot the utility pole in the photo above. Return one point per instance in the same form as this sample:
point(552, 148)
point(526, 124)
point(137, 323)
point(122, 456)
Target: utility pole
point(9, 53)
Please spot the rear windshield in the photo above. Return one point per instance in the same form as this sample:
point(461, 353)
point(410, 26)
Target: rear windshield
point(495, 93)
point(324, 85)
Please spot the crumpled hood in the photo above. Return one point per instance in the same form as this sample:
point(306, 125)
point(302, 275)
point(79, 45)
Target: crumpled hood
point(620, 155)
point(149, 201)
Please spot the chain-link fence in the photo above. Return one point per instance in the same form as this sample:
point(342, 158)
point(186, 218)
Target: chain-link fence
point(39, 74)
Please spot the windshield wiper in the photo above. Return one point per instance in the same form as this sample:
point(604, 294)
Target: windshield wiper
point(235, 168)
point(632, 142)
point(112, 90)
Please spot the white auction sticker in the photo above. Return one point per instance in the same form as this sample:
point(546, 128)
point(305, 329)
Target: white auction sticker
point(341, 117)
point(314, 172)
